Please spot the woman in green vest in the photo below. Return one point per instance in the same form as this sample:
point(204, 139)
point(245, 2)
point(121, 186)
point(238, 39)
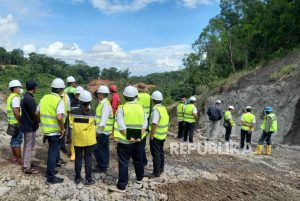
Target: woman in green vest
point(247, 127)
point(269, 126)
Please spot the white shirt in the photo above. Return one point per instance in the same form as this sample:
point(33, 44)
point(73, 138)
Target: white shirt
point(121, 123)
point(106, 111)
point(155, 116)
point(59, 110)
point(15, 102)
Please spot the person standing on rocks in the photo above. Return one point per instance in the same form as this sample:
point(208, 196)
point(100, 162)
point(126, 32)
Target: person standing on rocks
point(180, 121)
point(215, 115)
point(29, 125)
point(82, 122)
point(159, 125)
point(228, 123)
point(51, 112)
point(13, 107)
point(190, 117)
point(269, 126)
point(130, 129)
point(104, 127)
point(247, 127)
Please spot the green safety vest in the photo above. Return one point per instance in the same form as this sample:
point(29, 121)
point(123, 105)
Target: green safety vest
point(10, 113)
point(145, 100)
point(273, 127)
point(188, 113)
point(228, 117)
point(48, 115)
point(163, 124)
point(109, 124)
point(70, 90)
point(180, 111)
point(247, 118)
point(133, 118)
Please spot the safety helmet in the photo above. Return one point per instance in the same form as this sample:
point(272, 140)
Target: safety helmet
point(248, 107)
point(157, 95)
point(231, 107)
point(79, 89)
point(58, 83)
point(218, 102)
point(268, 109)
point(192, 98)
point(130, 91)
point(113, 88)
point(103, 89)
point(85, 96)
point(14, 83)
point(71, 79)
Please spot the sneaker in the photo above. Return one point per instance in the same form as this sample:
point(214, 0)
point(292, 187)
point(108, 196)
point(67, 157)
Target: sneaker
point(56, 180)
point(154, 177)
point(61, 162)
point(77, 181)
point(116, 189)
point(89, 182)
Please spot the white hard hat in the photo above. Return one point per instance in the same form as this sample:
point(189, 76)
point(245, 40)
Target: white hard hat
point(85, 96)
point(130, 91)
point(192, 98)
point(218, 102)
point(58, 83)
point(248, 107)
point(14, 83)
point(231, 107)
point(103, 89)
point(79, 89)
point(157, 95)
point(71, 79)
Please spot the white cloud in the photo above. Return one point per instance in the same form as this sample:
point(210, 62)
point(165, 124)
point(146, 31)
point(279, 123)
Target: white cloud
point(110, 54)
point(115, 6)
point(8, 27)
point(195, 3)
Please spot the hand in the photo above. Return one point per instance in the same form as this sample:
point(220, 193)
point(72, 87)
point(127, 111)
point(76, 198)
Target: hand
point(143, 131)
point(62, 134)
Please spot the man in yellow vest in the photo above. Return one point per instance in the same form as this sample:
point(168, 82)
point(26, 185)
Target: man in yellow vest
point(51, 112)
point(190, 117)
point(269, 126)
point(247, 127)
point(159, 124)
point(180, 121)
point(228, 123)
point(82, 121)
point(104, 127)
point(13, 108)
point(71, 89)
point(145, 100)
point(130, 129)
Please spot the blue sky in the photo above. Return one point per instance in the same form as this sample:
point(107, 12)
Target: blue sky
point(143, 35)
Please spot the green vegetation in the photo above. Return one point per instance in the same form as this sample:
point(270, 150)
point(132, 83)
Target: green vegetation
point(285, 70)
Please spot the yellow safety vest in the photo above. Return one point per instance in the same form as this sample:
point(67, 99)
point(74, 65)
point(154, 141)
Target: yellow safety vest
point(48, 115)
point(180, 111)
point(145, 100)
point(110, 122)
point(11, 119)
point(83, 128)
point(133, 118)
point(163, 124)
point(188, 113)
point(273, 127)
point(228, 117)
point(247, 118)
point(70, 90)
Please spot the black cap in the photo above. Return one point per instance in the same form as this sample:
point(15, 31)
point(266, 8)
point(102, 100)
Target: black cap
point(30, 85)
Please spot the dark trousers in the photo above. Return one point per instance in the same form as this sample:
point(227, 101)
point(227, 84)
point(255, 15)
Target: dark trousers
point(145, 160)
point(189, 131)
point(157, 152)
point(125, 152)
point(228, 133)
point(86, 153)
point(53, 154)
point(245, 135)
point(101, 152)
point(265, 136)
point(180, 129)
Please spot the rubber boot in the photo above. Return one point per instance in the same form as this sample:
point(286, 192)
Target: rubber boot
point(72, 151)
point(268, 150)
point(258, 149)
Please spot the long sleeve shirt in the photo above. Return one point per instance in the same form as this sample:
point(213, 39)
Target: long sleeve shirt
point(105, 115)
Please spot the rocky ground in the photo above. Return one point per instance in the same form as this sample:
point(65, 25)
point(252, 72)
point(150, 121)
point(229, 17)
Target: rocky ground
point(189, 176)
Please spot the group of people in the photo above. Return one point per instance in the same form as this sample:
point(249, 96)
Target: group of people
point(187, 116)
point(65, 116)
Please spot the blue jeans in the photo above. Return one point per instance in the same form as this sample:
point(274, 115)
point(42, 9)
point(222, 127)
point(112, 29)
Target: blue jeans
point(265, 136)
point(53, 154)
point(101, 152)
point(16, 140)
